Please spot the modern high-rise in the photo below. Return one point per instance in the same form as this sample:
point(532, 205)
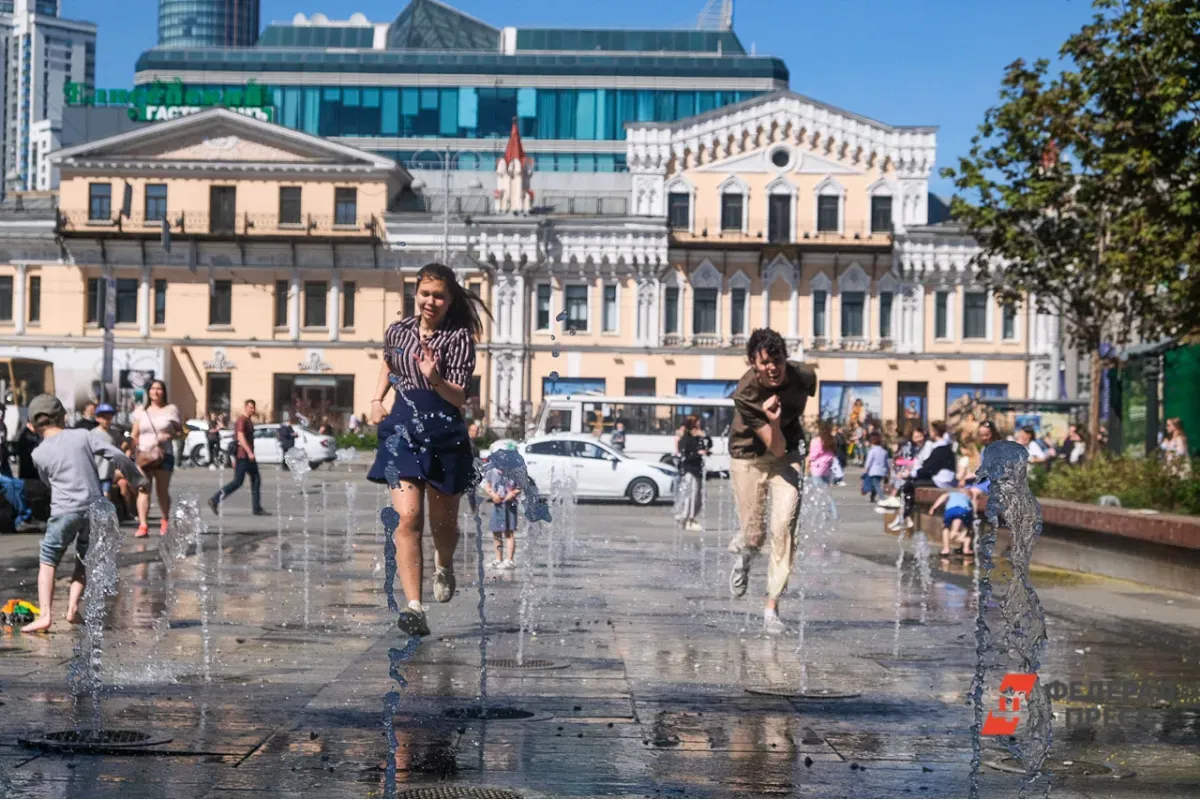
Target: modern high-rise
point(207, 23)
point(41, 53)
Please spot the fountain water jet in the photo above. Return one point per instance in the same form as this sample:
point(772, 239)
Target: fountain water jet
point(85, 673)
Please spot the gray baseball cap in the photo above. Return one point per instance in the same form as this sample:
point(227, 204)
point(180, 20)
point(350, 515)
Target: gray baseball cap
point(46, 405)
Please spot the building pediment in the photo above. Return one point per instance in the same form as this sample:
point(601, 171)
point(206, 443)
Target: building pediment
point(759, 162)
point(221, 138)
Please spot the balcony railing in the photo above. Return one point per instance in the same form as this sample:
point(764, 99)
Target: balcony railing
point(709, 230)
point(81, 222)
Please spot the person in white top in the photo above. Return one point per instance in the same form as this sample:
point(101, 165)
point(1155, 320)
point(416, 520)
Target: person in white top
point(1026, 438)
point(154, 427)
point(1175, 448)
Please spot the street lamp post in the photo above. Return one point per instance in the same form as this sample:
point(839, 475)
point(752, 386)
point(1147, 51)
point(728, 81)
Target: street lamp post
point(447, 159)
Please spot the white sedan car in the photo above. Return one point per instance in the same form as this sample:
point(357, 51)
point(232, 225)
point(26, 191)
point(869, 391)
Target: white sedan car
point(599, 471)
point(320, 449)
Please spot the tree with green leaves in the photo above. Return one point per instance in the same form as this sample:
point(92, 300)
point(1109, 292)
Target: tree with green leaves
point(1083, 188)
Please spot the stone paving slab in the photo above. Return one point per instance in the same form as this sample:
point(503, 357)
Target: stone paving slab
point(652, 700)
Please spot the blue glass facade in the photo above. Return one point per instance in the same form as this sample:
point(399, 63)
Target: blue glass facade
point(207, 23)
point(467, 112)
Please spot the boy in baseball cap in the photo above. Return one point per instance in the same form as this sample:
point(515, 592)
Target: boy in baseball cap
point(65, 463)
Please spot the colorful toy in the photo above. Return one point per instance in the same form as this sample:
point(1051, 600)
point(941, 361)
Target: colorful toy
point(18, 612)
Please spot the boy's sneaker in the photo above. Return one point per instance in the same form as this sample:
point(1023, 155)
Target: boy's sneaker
point(496, 564)
point(772, 622)
point(897, 524)
point(692, 525)
point(443, 584)
point(508, 563)
point(412, 622)
point(890, 502)
point(29, 526)
point(739, 577)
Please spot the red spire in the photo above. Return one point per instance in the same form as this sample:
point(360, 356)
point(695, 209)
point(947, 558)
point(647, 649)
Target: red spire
point(515, 150)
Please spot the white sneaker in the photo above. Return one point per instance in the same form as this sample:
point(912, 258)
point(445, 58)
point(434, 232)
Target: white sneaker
point(692, 525)
point(443, 584)
point(212, 467)
point(897, 524)
point(891, 502)
point(496, 564)
point(508, 563)
point(772, 622)
point(880, 510)
point(739, 576)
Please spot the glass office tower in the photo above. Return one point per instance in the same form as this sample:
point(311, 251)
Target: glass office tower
point(207, 23)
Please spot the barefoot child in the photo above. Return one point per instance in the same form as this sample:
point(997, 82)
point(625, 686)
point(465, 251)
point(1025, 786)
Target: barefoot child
point(65, 462)
point(503, 493)
point(956, 520)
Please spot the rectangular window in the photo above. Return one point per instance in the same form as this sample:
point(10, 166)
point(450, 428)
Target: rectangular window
point(217, 392)
point(671, 310)
point(575, 303)
point(222, 209)
point(704, 311)
point(156, 202)
point(410, 299)
point(349, 289)
point(881, 214)
point(127, 301)
point(975, 315)
point(885, 315)
point(941, 315)
point(639, 387)
point(852, 314)
point(679, 211)
point(737, 314)
point(220, 303)
point(289, 205)
point(160, 301)
point(779, 218)
point(100, 201)
point(6, 298)
point(1009, 324)
point(828, 212)
point(731, 212)
point(610, 308)
point(315, 296)
point(818, 299)
point(281, 303)
point(35, 298)
point(345, 206)
point(543, 307)
point(95, 302)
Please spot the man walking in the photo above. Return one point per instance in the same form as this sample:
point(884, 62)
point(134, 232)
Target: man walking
point(245, 464)
point(764, 445)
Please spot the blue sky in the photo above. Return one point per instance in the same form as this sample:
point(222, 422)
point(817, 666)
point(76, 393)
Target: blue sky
point(905, 62)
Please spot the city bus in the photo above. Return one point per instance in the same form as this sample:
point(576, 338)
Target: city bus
point(650, 422)
point(21, 380)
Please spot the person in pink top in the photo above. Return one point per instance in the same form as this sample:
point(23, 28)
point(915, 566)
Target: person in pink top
point(821, 453)
point(154, 426)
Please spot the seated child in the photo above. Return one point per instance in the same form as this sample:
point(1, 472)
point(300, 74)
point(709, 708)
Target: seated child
point(956, 520)
point(64, 461)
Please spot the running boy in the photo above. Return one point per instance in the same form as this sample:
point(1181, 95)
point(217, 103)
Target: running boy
point(956, 520)
point(503, 493)
point(65, 462)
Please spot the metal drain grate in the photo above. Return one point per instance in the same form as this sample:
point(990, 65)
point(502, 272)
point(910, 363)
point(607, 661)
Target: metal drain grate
point(810, 693)
point(456, 792)
point(529, 663)
point(492, 714)
point(87, 740)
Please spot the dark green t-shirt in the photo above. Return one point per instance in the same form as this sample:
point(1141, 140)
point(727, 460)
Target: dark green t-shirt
point(799, 384)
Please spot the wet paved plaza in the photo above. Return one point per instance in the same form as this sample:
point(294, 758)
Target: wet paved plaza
point(638, 675)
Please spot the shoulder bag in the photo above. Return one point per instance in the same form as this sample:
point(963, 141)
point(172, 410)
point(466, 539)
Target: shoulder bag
point(154, 457)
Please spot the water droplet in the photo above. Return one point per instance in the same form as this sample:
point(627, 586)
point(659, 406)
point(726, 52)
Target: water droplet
point(553, 337)
point(553, 376)
point(554, 353)
point(562, 315)
point(571, 332)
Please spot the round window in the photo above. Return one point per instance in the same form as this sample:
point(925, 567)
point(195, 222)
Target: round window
point(781, 157)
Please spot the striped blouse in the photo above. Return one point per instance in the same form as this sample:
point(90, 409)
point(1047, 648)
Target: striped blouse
point(455, 348)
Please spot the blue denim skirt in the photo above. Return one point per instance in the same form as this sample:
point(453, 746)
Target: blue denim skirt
point(424, 439)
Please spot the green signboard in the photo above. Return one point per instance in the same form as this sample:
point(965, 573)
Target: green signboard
point(160, 101)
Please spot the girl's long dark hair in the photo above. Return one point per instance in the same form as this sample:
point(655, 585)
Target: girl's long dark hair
point(465, 305)
point(161, 383)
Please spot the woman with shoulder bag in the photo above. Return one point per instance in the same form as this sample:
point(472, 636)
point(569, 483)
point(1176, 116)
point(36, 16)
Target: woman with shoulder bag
point(154, 427)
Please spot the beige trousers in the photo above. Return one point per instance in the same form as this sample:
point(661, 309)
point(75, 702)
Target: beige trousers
point(752, 479)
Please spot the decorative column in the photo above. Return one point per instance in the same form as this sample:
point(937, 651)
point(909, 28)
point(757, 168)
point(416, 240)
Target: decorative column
point(294, 306)
point(144, 303)
point(20, 298)
point(335, 307)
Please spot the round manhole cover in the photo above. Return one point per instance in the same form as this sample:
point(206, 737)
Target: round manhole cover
point(528, 663)
point(492, 713)
point(454, 792)
point(809, 693)
point(94, 740)
point(1064, 769)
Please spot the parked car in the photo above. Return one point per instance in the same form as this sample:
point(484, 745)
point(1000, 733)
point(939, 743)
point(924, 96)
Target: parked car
point(599, 471)
point(320, 449)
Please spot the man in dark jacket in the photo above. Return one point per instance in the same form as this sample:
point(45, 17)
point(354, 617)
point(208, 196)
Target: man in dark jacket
point(26, 442)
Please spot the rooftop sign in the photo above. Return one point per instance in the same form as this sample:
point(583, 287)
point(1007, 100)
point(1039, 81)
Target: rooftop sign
point(161, 101)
